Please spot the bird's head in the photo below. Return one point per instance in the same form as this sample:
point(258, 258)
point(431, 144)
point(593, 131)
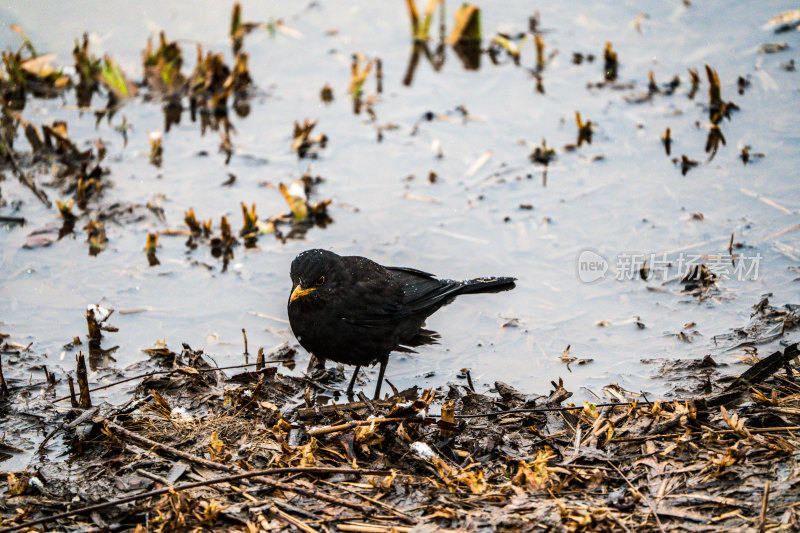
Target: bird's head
point(314, 274)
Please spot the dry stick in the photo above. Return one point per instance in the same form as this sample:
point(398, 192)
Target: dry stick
point(400, 514)
point(296, 522)
point(155, 477)
point(371, 528)
point(244, 334)
point(310, 412)
point(781, 232)
point(87, 414)
point(356, 423)
point(547, 409)
point(229, 468)
point(635, 490)
point(160, 372)
point(714, 431)
point(247, 496)
point(186, 486)
point(363, 398)
point(132, 435)
point(766, 200)
point(764, 504)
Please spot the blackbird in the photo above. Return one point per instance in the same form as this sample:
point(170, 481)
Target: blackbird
point(354, 311)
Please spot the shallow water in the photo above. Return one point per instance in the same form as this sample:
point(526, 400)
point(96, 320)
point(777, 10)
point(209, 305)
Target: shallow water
point(634, 200)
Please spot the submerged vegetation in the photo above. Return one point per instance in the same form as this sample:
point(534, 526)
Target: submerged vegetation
point(206, 93)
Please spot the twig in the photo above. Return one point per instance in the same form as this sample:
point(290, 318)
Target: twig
point(315, 432)
point(714, 431)
point(635, 490)
point(372, 528)
point(545, 410)
point(121, 431)
point(186, 486)
point(286, 517)
point(286, 506)
point(82, 418)
point(310, 412)
point(781, 232)
point(400, 514)
point(766, 201)
point(155, 477)
point(13, 220)
point(363, 398)
point(764, 503)
point(132, 435)
point(50, 436)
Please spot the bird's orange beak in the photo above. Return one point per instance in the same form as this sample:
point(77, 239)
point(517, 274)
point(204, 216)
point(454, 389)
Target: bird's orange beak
point(299, 291)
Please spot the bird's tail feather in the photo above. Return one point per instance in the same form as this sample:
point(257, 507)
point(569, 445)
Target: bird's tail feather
point(480, 285)
point(443, 291)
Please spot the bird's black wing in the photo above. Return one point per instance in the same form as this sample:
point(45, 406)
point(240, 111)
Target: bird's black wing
point(375, 298)
point(423, 291)
point(390, 294)
point(411, 271)
point(384, 296)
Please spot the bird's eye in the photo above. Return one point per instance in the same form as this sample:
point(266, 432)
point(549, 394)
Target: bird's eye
point(320, 280)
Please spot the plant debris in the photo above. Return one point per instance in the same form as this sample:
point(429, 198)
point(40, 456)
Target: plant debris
point(584, 130)
point(248, 447)
point(185, 445)
point(304, 144)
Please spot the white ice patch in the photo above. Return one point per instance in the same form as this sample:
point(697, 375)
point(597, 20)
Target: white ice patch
point(423, 450)
point(297, 190)
point(99, 313)
point(179, 413)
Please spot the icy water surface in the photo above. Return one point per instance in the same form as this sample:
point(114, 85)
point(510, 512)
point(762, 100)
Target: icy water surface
point(489, 210)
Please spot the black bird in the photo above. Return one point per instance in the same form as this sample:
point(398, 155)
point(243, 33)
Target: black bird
point(354, 311)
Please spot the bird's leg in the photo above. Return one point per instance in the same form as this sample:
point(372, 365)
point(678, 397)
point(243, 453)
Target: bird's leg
point(384, 362)
point(352, 383)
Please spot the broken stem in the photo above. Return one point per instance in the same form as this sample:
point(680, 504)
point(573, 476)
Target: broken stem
point(85, 400)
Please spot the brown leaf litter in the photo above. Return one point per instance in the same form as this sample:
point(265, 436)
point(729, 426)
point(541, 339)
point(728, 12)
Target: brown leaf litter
point(196, 448)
